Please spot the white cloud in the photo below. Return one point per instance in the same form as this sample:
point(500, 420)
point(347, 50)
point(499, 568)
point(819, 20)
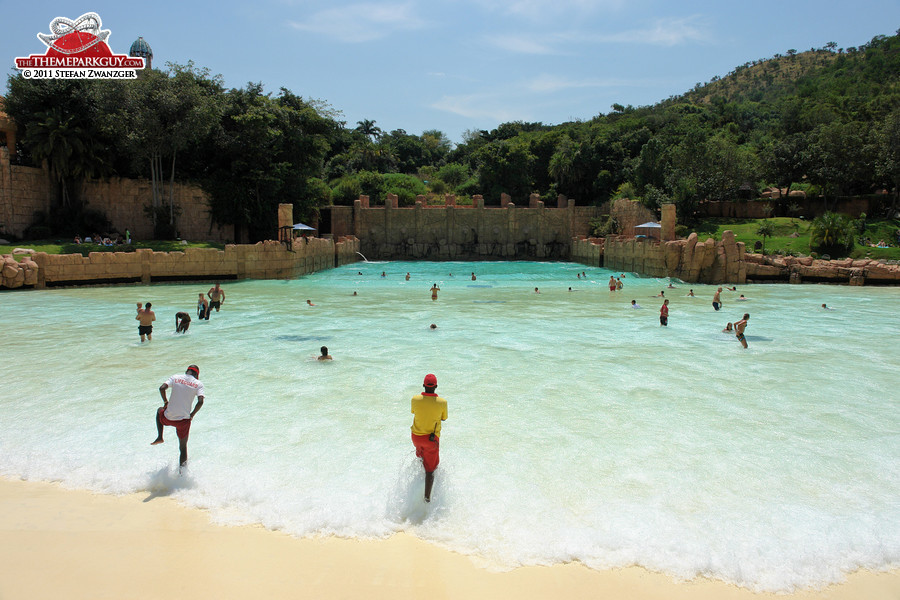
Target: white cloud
point(663, 32)
point(540, 10)
point(520, 44)
point(362, 22)
point(481, 106)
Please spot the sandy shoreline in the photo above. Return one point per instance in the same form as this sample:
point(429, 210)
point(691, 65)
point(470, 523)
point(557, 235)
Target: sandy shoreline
point(57, 543)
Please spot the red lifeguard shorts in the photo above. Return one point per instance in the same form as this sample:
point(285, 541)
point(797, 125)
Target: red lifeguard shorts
point(427, 451)
point(182, 427)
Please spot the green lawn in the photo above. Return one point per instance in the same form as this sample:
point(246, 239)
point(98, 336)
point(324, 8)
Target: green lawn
point(745, 231)
point(60, 247)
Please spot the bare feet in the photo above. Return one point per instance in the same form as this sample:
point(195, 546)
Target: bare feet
point(156, 441)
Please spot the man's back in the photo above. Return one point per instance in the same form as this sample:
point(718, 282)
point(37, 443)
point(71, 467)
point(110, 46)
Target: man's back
point(429, 411)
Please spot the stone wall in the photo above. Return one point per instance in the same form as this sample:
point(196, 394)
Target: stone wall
point(453, 232)
point(688, 260)
point(264, 260)
point(25, 190)
point(794, 269)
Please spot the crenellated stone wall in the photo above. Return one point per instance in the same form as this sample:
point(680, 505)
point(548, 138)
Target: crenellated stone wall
point(264, 260)
point(452, 232)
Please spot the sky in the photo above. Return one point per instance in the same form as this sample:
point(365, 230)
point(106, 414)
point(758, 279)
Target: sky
point(463, 65)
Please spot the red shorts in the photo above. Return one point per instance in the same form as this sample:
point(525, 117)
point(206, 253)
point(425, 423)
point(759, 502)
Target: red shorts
point(427, 451)
point(182, 427)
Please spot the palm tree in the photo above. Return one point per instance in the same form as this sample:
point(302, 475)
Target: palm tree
point(369, 129)
point(831, 232)
point(766, 229)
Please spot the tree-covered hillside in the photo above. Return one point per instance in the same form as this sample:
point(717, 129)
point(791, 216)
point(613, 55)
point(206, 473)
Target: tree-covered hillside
point(825, 120)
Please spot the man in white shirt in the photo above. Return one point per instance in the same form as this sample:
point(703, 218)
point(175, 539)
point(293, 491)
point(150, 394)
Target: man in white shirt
point(177, 412)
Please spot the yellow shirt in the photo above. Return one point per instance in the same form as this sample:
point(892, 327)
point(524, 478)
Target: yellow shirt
point(429, 411)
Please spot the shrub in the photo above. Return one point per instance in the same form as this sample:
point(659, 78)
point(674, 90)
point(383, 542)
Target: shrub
point(406, 187)
point(832, 233)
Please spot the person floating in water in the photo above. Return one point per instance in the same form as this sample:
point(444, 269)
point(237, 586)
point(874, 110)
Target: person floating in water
point(433, 326)
point(728, 328)
point(429, 410)
point(742, 298)
point(717, 299)
point(661, 294)
point(537, 291)
point(739, 327)
point(826, 307)
point(182, 322)
point(309, 303)
point(145, 317)
point(177, 412)
point(690, 293)
point(324, 355)
point(664, 313)
point(634, 304)
point(202, 307)
point(434, 290)
point(216, 298)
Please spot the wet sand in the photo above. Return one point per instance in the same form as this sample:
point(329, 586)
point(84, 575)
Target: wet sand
point(58, 543)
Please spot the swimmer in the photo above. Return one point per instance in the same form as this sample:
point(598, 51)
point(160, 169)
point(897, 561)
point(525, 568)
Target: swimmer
point(612, 283)
point(732, 288)
point(579, 276)
point(354, 293)
point(717, 300)
point(434, 290)
point(145, 317)
point(728, 328)
point(619, 284)
point(383, 274)
point(202, 307)
point(309, 303)
point(583, 275)
point(826, 307)
point(473, 277)
point(742, 298)
point(634, 304)
point(664, 313)
point(324, 355)
point(182, 322)
point(216, 297)
point(432, 326)
point(739, 327)
point(570, 289)
point(690, 294)
point(537, 291)
point(407, 276)
point(671, 287)
point(661, 294)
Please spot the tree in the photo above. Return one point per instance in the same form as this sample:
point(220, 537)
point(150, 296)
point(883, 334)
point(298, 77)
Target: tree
point(831, 233)
point(158, 116)
point(765, 229)
point(369, 129)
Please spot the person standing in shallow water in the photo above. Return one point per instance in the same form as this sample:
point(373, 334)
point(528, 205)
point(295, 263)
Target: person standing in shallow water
point(739, 327)
point(429, 410)
point(177, 413)
point(664, 313)
point(145, 317)
point(434, 290)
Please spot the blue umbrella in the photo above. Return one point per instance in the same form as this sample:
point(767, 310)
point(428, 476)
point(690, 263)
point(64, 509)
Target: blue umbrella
point(303, 227)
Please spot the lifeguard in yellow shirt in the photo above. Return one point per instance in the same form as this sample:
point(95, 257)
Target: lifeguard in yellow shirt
point(429, 410)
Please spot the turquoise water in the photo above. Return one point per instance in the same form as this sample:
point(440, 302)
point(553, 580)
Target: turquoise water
point(579, 429)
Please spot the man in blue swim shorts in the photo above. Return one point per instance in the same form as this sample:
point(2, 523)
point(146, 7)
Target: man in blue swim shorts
point(739, 327)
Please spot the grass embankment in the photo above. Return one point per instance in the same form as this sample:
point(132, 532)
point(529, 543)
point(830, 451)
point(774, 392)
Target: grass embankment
point(782, 242)
point(60, 247)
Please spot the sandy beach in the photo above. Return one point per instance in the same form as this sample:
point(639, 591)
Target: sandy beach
point(60, 543)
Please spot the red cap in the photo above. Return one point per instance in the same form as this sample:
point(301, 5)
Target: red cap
point(195, 369)
point(430, 381)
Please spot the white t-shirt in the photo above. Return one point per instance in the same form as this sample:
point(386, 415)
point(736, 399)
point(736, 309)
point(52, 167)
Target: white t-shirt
point(183, 390)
